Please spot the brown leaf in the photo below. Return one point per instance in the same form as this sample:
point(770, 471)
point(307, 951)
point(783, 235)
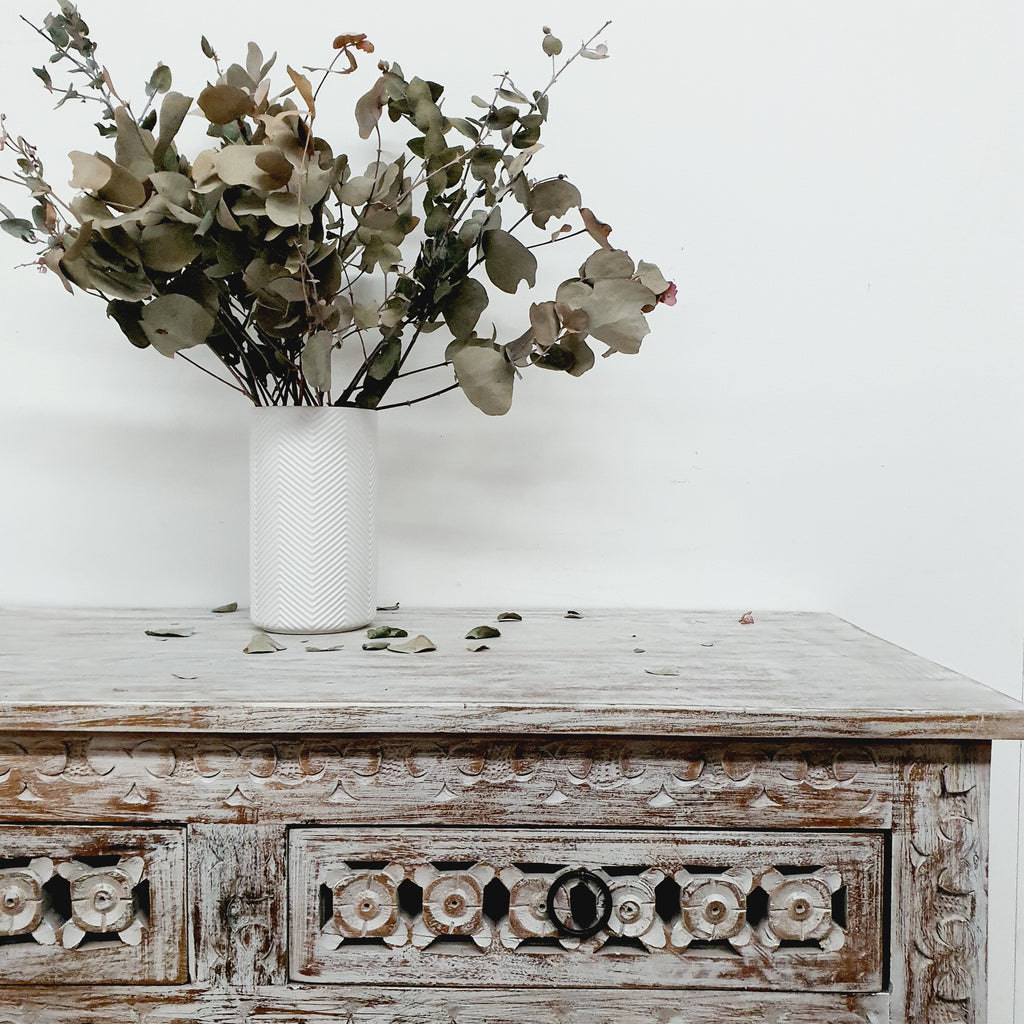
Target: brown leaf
point(305, 89)
point(223, 104)
point(747, 619)
point(370, 106)
point(597, 230)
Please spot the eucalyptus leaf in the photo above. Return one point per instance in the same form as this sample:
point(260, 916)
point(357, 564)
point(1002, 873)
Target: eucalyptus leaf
point(508, 262)
point(510, 617)
point(168, 246)
point(175, 322)
point(483, 633)
point(316, 360)
point(225, 609)
point(171, 631)
point(223, 104)
point(19, 228)
point(262, 644)
point(375, 645)
point(553, 198)
point(462, 307)
point(388, 607)
point(477, 648)
point(416, 645)
point(385, 632)
point(484, 374)
point(311, 649)
point(159, 81)
point(667, 670)
point(572, 614)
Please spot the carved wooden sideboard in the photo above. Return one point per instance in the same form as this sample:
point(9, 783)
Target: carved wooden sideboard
point(630, 816)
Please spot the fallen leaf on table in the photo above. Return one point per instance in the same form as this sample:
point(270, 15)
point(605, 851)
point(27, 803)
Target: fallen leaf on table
point(667, 670)
point(482, 633)
point(376, 645)
point(388, 607)
point(478, 647)
point(417, 645)
point(572, 614)
point(510, 617)
point(385, 632)
point(171, 631)
point(747, 619)
point(225, 608)
point(324, 650)
point(262, 644)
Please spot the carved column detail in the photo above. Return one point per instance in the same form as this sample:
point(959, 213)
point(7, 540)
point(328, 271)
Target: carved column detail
point(940, 884)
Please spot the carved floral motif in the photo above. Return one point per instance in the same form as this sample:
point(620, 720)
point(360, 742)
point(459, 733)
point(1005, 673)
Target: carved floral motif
point(800, 909)
point(103, 901)
point(128, 775)
point(713, 908)
point(25, 905)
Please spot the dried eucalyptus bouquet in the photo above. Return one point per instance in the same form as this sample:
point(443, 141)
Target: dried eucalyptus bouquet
point(273, 252)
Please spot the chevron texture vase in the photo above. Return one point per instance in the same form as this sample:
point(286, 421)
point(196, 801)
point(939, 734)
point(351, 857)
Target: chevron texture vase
point(312, 518)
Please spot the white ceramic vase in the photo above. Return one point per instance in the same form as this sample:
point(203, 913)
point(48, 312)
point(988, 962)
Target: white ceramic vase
point(312, 518)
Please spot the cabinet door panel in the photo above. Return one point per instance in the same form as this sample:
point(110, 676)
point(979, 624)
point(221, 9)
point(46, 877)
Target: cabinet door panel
point(91, 905)
point(770, 911)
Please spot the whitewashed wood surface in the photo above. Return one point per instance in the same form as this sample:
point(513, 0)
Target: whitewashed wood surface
point(788, 674)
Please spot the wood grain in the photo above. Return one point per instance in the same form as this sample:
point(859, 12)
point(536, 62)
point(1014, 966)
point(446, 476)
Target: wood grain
point(238, 899)
point(364, 1004)
point(796, 675)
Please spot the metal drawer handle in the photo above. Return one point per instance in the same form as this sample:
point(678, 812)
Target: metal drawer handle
point(589, 900)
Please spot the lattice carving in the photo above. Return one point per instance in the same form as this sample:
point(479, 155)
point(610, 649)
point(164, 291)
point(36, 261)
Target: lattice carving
point(713, 908)
point(453, 905)
point(800, 909)
point(103, 901)
point(25, 905)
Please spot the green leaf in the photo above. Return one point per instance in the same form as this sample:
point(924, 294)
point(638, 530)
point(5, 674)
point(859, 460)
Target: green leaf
point(168, 246)
point(572, 614)
point(316, 360)
point(225, 609)
point(462, 307)
point(169, 631)
point(208, 50)
point(553, 198)
point(386, 359)
point(508, 261)
point(173, 109)
point(128, 316)
point(176, 322)
point(464, 127)
point(44, 75)
point(311, 649)
point(484, 374)
point(510, 617)
point(20, 228)
point(483, 633)
point(159, 81)
point(552, 45)
point(667, 670)
point(385, 633)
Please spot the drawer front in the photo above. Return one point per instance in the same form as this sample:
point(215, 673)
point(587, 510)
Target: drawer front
point(769, 911)
point(81, 905)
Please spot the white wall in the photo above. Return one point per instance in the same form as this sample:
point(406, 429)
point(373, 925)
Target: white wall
point(829, 419)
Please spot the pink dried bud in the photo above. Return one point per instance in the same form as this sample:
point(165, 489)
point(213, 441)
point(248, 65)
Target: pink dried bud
point(668, 296)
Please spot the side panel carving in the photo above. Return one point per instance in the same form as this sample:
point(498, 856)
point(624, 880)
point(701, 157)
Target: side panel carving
point(940, 884)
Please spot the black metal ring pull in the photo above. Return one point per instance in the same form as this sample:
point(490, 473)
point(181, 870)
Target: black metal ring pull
point(590, 903)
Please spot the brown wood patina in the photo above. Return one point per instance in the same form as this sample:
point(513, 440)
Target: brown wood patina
point(629, 816)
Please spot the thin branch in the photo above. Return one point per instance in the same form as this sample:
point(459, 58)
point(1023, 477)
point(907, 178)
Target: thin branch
point(415, 401)
point(209, 373)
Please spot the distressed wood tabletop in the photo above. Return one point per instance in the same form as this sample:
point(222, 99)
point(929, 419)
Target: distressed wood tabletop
point(786, 674)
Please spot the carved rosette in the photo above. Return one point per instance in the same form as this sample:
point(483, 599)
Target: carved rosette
point(713, 908)
point(528, 907)
point(24, 903)
point(800, 909)
point(453, 905)
point(103, 901)
point(366, 905)
point(634, 912)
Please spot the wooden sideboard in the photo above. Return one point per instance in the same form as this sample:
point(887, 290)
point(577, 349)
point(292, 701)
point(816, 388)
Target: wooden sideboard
point(667, 817)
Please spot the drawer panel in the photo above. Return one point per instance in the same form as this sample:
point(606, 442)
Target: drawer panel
point(84, 905)
point(681, 908)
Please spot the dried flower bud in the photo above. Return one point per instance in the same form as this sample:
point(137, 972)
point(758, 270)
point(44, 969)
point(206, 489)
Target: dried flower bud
point(356, 39)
